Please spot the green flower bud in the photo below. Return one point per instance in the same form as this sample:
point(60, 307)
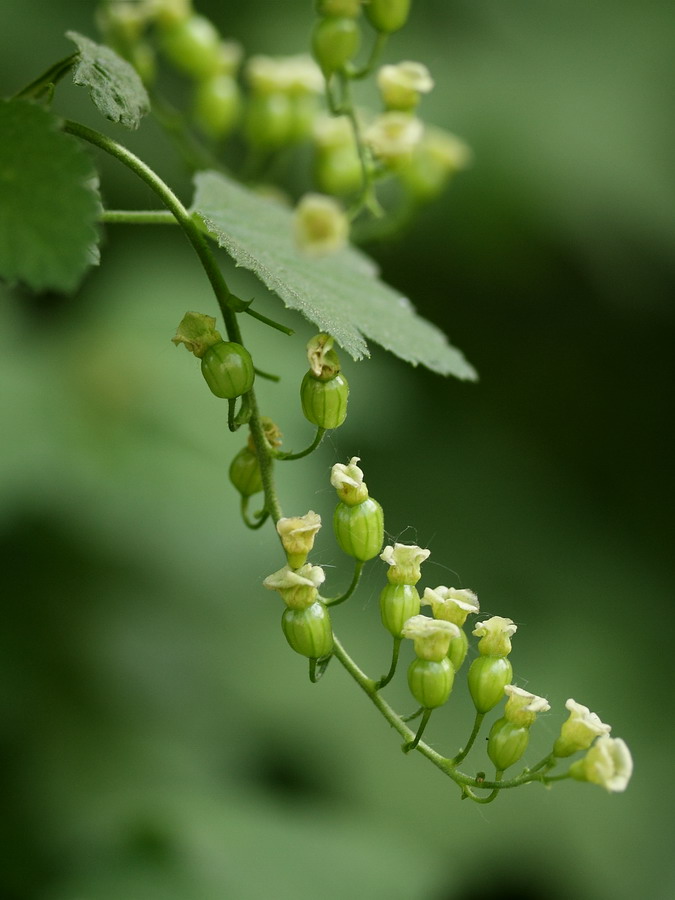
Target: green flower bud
point(217, 105)
point(309, 630)
point(228, 370)
point(169, 12)
point(324, 403)
point(304, 108)
point(334, 42)
point(245, 473)
point(459, 647)
point(579, 731)
point(607, 763)
point(404, 562)
point(522, 706)
point(398, 603)
point(339, 171)
point(359, 529)
point(495, 636)
point(507, 743)
point(297, 535)
point(393, 138)
point(193, 46)
point(298, 587)
point(488, 675)
point(350, 8)
point(387, 15)
point(434, 161)
point(268, 120)
point(431, 637)
point(430, 681)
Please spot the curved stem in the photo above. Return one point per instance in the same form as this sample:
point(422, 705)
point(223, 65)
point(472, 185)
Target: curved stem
point(410, 745)
point(371, 62)
point(215, 276)
point(318, 437)
point(317, 667)
point(490, 797)
point(413, 716)
point(262, 516)
point(472, 737)
point(137, 217)
point(268, 375)
point(335, 601)
point(261, 318)
point(49, 78)
point(384, 681)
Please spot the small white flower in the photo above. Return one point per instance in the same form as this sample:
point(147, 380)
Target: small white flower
point(607, 763)
point(297, 535)
point(320, 225)
point(298, 588)
point(287, 74)
point(495, 636)
point(401, 85)
point(522, 706)
point(404, 562)
point(451, 604)
point(579, 731)
point(333, 132)
point(393, 137)
point(348, 482)
point(431, 637)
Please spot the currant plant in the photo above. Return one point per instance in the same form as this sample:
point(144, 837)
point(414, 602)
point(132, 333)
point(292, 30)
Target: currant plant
point(370, 173)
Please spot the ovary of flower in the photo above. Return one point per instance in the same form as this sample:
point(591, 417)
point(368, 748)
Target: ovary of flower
point(495, 636)
point(431, 637)
point(522, 706)
point(393, 137)
point(320, 225)
point(451, 604)
point(607, 763)
point(579, 730)
point(297, 532)
point(401, 85)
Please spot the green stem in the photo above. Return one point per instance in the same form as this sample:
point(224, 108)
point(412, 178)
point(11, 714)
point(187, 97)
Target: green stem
point(138, 217)
point(472, 737)
point(51, 77)
point(490, 797)
point(317, 667)
point(276, 325)
point(268, 375)
point(413, 716)
point(213, 273)
point(262, 516)
point(410, 745)
point(335, 601)
point(384, 681)
point(195, 156)
point(366, 197)
point(375, 53)
point(318, 437)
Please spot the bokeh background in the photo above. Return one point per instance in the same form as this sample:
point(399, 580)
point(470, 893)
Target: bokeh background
point(159, 739)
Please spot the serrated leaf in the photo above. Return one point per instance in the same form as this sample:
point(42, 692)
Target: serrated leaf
point(340, 294)
point(50, 201)
point(114, 84)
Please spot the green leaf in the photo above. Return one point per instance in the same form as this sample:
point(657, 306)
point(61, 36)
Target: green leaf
point(113, 83)
point(341, 294)
point(50, 201)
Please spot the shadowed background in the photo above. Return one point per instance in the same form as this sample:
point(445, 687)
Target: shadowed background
point(159, 738)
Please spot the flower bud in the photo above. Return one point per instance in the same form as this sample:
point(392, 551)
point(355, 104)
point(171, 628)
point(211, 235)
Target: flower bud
point(607, 763)
point(398, 603)
point(387, 15)
point(404, 562)
point(488, 675)
point(193, 46)
point(335, 41)
point(402, 85)
point(579, 731)
point(168, 12)
point(495, 636)
point(339, 171)
point(430, 681)
point(298, 589)
point(349, 8)
point(308, 630)
point(459, 647)
point(431, 637)
point(217, 105)
point(228, 370)
point(268, 120)
point(437, 157)
point(359, 529)
point(348, 482)
point(245, 473)
point(320, 225)
point(522, 706)
point(324, 403)
point(506, 743)
point(297, 535)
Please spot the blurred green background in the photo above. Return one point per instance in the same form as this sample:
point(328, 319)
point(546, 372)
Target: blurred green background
point(159, 739)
